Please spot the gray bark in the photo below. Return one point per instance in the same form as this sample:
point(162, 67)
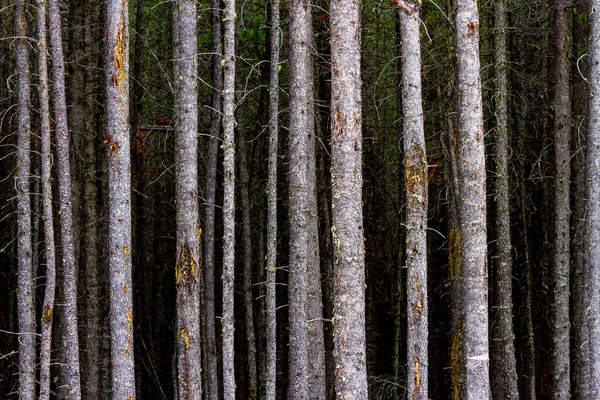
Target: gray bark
point(271, 264)
point(592, 233)
point(416, 202)
point(116, 70)
point(561, 103)
point(347, 215)
point(73, 380)
point(25, 290)
point(187, 269)
point(503, 363)
point(472, 205)
point(212, 380)
point(227, 318)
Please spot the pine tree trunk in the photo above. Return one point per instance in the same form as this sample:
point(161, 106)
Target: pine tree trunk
point(187, 269)
point(347, 215)
point(503, 362)
point(416, 171)
point(592, 232)
point(228, 201)
point(271, 264)
point(73, 380)
point(116, 70)
point(562, 114)
point(25, 289)
point(472, 205)
point(212, 380)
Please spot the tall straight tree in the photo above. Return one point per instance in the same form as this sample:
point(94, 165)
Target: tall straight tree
point(228, 200)
point(592, 233)
point(49, 295)
point(471, 204)
point(561, 103)
point(116, 75)
point(187, 269)
point(271, 320)
point(503, 362)
point(416, 201)
point(301, 114)
point(73, 380)
point(346, 204)
point(25, 293)
point(212, 380)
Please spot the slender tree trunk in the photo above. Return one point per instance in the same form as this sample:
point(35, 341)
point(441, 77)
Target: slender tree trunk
point(347, 215)
point(116, 70)
point(472, 205)
point(187, 269)
point(503, 362)
point(49, 295)
point(592, 234)
point(562, 114)
point(271, 264)
point(416, 202)
point(212, 380)
point(228, 200)
point(73, 380)
point(25, 290)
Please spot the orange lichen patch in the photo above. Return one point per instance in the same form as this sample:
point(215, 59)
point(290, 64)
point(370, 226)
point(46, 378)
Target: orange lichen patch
point(47, 315)
point(126, 252)
point(416, 172)
point(472, 28)
point(199, 233)
point(418, 308)
point(184, 336)
point(119, 58)
point(126, 288)
point(129, 397)
point(417, 389)
point(186, 266)
point(127, 350)
point(129, 321)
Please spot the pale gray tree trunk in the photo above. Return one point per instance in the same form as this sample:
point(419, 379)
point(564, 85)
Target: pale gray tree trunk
point(116, 70)
point(46, 153)
point(592, 232)
point(212, 380)
point(347, 214)
point(472, 205)
point(271, 262)
point(25, 291)
point(187, 269)
point(73, 380)
point(503, 362)
point(227, 318)
point(416, 202)
point(561, 103)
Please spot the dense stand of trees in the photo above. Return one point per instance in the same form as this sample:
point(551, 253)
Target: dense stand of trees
point(303, 199)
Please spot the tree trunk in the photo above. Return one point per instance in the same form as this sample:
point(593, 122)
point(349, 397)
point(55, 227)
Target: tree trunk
point(472, 205)
point(271, 319)
point(592, 233)
point(347, 215)
point(116, 70)
point(416, 202)
point(187, 269)
point(228, 201)
point(562, 114)
point(503, 362)
point(212, 380)
point(73, 380)
point(25, 289)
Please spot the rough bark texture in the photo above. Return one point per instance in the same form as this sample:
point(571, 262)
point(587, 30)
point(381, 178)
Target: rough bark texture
point(25, 291)
point(212, 380)
point(592, 168)
point(49, 295)
point(271, 264)
point(247, 270)
point(561, 258)
point(116, 70)
point(416, 203)
point(227, 318)
point(71, 343)
point(472, 205)
point(347, 215)
point(187, 269)
point(503, 363)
